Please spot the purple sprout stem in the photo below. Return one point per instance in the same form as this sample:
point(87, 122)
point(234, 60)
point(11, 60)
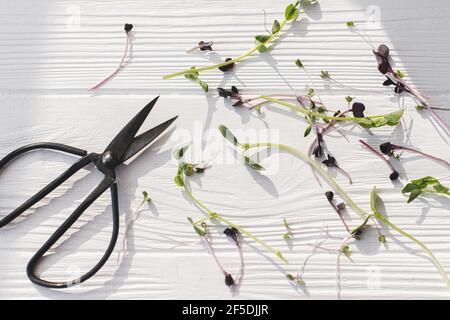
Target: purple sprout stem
point(340, 215)
point(424, 101)
point(211, 250)
point(446, 163)
point(311, 146)
point(378, 154)
point(241, 258)
point(345, 173)
point(118, 68)
point(437, 108)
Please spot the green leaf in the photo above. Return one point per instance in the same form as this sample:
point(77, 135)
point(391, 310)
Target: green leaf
point(414, 194)
point(178, 181)
point(252, 164)
point(324, 74)
point(382, 238)
point(418, 186)
point(299, 63)
point(287, 236)
point(291, 12)
point(262, 38)
point(204, 85)
point(305, 3)
point(227, 134)
point(311, 92)
point(146, 196)
point(276, 27)
point(191, 76)
point(307, 131)
point(349, 99)
point(188, 169)
point(393, 118)
point(440, 188)
point(346, 250)
point(263, 49)
point(410, 187)
point(400, 74)
point(194, 75)
point(280, 255)
point(390, 119)
point(179, 153)
point(425, 181)
point(199, 231)
point(285, 223)
point(420, 107)
point(290, 277)
point(350, 24)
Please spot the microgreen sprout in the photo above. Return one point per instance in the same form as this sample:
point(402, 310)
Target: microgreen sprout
point(325, 74)
point(425, 185)
point(128, 27)
point(421, 107)
point(339, 208)
point(400, 74)
point(346, 198)
point(298, 278)
point(181, 180)
point(203, 46)
point(346, 250)
point(395, 78)
point(262, 42)
point(234, 235)
point(202, 231)
point(288, 235)
point(228, 66)
point(234, 95)
point(299, 63)
point(331, 162)
point(146, 199)
point(350, 24)
point(349, 100)
point(394, 174)
point(305, 3)
point(194, 76)
point(373, 205)
point(146, 196)
point(389, 149)
point(390, 119)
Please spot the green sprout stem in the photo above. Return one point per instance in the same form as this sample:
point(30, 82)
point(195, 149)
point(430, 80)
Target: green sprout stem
point(314, 114)
point(349, 201)
point(215, 216)
point(238, 59)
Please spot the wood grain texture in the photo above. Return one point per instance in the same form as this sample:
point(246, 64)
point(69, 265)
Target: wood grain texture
point(47, 62)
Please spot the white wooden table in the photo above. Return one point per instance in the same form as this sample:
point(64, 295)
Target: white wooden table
point(51, 52)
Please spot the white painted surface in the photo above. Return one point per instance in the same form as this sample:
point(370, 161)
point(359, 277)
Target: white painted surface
point(47, 62)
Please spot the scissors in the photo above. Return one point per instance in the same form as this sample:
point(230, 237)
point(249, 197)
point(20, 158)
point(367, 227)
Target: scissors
point(124, 146)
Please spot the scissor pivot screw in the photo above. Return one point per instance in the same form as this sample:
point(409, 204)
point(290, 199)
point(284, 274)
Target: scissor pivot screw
point(107, 157)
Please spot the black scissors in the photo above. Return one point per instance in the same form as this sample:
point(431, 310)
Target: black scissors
point(125, 145)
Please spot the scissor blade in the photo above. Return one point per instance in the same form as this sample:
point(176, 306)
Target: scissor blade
point(120, 144)
point(146, 138)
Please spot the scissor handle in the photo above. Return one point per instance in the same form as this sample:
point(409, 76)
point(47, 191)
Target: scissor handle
point(41, 145)
point(52, 185)
point(107, 182)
